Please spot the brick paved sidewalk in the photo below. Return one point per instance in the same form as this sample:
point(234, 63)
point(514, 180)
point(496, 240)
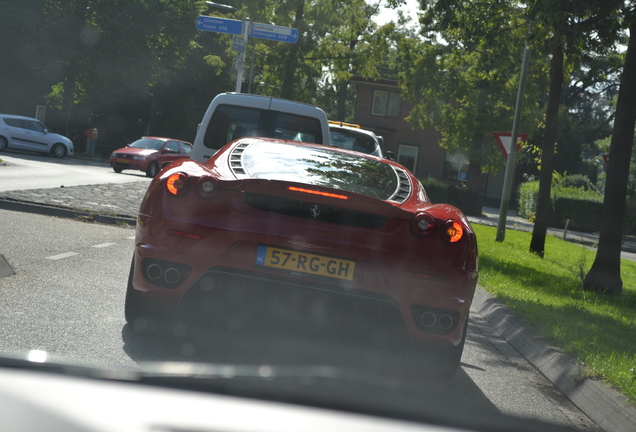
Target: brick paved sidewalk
point(122, 200)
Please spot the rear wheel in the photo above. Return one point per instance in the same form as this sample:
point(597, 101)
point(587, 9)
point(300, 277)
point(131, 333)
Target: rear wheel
point(447, 362)
point(142, 313)
point(118, 170)
point(135, 307)
point(58, 150)
point(153, 169)
point(3, 143)
point(441, 364)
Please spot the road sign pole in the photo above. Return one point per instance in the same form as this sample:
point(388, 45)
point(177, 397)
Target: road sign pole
point(240, 57)
point(510, 165)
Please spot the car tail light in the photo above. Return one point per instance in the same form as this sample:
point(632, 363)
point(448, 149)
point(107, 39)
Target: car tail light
point(317, 192)
point(208, 187)
point(452, 231)
point(423, 224)
point(178, 184)
point(185, 234)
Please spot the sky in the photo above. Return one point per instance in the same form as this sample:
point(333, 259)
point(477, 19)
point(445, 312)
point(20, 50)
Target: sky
point(387, 15)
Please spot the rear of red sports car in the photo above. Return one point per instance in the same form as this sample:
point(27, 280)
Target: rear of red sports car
point(272, 232)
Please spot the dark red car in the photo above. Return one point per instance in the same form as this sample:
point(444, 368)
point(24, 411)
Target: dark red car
point(149, 154)
point(308, 236)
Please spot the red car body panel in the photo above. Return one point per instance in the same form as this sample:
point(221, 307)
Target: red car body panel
point(393, 262)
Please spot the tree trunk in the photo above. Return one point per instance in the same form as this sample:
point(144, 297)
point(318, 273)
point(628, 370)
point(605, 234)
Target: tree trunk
point(539, 232)
point(289, 74)
point(474, 174)
point(68, 100)
point(341, 102)
point(341, 95)
point(605, 274)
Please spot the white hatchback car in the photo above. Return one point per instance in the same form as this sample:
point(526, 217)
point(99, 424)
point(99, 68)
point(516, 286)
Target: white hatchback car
point(27, 133)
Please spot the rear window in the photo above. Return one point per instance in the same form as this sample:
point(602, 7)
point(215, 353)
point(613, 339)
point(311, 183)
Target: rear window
point(351, 140)
point(230, 122)
point(13, 122)
point(278, 161)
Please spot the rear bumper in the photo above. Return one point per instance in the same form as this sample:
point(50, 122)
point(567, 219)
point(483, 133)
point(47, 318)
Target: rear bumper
point(219, 280)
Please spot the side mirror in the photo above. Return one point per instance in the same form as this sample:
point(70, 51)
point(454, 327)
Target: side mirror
point(390, 155)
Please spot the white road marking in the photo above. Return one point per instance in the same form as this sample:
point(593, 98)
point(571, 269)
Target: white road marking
point(62, 256)
point(103, 245)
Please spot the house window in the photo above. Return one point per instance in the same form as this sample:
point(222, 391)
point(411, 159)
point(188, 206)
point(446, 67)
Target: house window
point(455, 167)
point(386, 103)
point(407, 156)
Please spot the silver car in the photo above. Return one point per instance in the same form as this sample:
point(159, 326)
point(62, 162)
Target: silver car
point(25, 133)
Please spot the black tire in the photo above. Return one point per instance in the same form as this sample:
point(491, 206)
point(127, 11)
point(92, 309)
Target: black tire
point(118, 170)
point(145, 315)
point(135, 308)
point(447, 362)
point(153, 169)
point(58, 151)
point(4, 143)
point(439, 365)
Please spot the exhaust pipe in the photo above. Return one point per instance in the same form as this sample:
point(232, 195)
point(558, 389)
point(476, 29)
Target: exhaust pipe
point(171, 276)
point(428, 319)
point(154, 271)
point(445, 322)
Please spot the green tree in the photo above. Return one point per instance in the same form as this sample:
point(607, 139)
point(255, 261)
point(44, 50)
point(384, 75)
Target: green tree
point(22, 83)
point(283, 69)
point(463, 77)
point(354, 46)
point(604, 276)
point(571, 28)
point(338, 39)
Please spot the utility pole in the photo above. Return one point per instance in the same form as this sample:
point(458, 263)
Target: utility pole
point(510, 164)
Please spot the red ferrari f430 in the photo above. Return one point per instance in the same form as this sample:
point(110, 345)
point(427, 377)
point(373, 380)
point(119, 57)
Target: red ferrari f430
point(281, 233)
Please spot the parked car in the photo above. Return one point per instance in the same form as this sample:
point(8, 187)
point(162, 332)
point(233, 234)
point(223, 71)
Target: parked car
point(352, 137)
point(149, 154)
point(26, 133)
point(284, 234)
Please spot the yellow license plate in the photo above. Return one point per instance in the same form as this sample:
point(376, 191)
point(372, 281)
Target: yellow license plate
point(294, 261)
point(124, 161)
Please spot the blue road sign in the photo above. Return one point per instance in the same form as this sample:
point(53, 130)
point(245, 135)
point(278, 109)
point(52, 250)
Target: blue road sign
point(272, 32)
point(238, 44)
point(219, 25)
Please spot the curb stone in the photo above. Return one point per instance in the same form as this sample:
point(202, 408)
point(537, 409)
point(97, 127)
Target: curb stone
point(609, 409)
point(49, 210)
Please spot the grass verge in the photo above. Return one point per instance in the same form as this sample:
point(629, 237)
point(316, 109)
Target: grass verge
point(547, 293)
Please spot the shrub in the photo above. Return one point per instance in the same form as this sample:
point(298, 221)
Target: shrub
point(527, 201)
point(577, 181)
point(572, 197)
point(461, 197)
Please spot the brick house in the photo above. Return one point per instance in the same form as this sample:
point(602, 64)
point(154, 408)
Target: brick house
point(379, 107)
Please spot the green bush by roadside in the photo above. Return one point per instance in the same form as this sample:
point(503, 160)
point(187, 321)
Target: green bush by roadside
point(573, 198)
point(461, 197)
point(547, 293)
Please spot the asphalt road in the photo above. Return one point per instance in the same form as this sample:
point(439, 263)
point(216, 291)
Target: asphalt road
point(67, 297)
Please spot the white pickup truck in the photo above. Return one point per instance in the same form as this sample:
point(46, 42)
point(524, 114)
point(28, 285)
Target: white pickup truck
point(231, 116)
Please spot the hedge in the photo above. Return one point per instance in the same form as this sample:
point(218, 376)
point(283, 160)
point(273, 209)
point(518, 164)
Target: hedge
point(461, 197)
point(582, 207)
